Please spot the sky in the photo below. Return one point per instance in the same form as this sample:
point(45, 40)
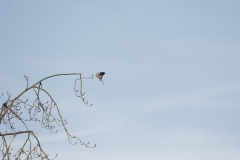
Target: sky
point(172, 83)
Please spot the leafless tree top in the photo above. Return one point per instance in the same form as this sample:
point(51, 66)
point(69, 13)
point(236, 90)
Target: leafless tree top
point(16, 111)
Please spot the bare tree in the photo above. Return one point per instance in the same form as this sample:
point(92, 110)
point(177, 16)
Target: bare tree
point(15, 112)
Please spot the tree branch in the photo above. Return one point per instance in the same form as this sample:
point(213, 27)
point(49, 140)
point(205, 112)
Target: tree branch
point(14, 133)
point(27, 89)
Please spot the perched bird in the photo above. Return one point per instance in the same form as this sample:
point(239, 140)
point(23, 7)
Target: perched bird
point(99, 75)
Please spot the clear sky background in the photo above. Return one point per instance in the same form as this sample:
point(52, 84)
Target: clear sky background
point(172, 83)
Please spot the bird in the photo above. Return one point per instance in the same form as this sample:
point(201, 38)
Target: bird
point(99, 75)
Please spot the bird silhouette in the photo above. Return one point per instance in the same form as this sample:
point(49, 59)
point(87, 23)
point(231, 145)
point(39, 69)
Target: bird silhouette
point(99, 75)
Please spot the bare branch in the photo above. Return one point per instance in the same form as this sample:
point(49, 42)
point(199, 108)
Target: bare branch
point(12, 101)
point(26, 78)
point(7, 134)
point(14, 110)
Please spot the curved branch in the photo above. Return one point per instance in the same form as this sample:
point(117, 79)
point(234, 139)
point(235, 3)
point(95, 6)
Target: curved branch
point(62, 122)
point(27, 89)
point(11, 110)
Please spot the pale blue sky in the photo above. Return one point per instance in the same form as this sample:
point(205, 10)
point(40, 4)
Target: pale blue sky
point(172, 83)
